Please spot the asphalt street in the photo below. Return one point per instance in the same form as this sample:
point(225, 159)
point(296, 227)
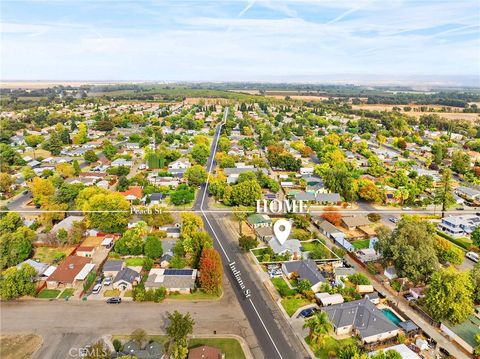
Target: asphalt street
point(273, 333)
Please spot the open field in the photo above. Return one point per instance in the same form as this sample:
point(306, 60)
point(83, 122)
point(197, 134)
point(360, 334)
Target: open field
point(455, 114)
point(19, 346)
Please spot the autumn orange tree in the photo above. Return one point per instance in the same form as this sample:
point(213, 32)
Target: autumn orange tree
point(211, 271)
point(332, 215)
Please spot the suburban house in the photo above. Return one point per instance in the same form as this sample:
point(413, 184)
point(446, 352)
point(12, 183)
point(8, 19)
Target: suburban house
point(43, 270)
point(85, 251)
point(125, 279)
point(404, 351)
point(132, 193)
point(291, 247)
point(158, 198)
point(330, 231)
point(70, 272)
point(205, 352)
point(121, 162)
point(257, 220)
point(355, 222)
point(112, 267)
point(469, 194)
point(464, 333)
point(181, 163)
point(66, 223)
point(459, 226)
point(265, 234)
point(233, 173)
point(362, 318)
point(173, 280)
point(305, 269)
point(318, 198)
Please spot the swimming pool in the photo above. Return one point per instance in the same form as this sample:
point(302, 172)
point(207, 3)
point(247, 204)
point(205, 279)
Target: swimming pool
point(392, 316)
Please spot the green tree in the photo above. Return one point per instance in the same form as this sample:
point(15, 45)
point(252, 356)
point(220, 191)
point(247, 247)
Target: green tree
point(240, 213)
point(139, 336)
point(247, 242)
point(178, 349)
point(16, 283)
point(179, 326)
point(319, 327)
point(131, 243)
point(112, 212)
point(475, 236)
point(443, 194)
point(389, 354)
point(200, 153)
point(90, 156)
point(196, 175)
point(182, 195)
point(16, 246)
point(475, 278)
point(246, 193)
point(460, 161)
point(410, 247)
point(153, 247)
point(449, 295)
point(6, 182)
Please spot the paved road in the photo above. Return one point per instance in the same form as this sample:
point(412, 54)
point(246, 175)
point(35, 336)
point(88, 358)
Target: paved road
point(64, 325)
point(275, 338)
point(17, 203)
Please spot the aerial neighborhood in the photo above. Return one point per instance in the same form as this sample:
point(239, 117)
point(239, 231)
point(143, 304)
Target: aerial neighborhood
point(149, 193)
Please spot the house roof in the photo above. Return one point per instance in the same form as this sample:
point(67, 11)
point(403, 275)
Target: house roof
point(126, 274)
point(152, 350)
point(362, 314)
point(257, 218)
point(171, 278)
point(306, 269)
point(68, 269)
point(135, 191)
point(87, 268)
point(356, 221)
point(39, 267)
point(205, 352)
point(113, 265)
point(291, 245)
point(66, 223)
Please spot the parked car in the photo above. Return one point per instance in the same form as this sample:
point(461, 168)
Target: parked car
point(97, 288)
point(307, 313)
point(406, 209)
point(473, 256)
point(393, 219)
point(114, 300)
point(107, 281)
point(409, 297)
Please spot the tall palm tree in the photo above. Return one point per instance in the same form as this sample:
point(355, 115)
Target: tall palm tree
point(319, 326)
point(240, 213)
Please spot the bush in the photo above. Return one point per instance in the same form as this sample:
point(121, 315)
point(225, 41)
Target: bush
point(247, 242)
point(374, 217)
point(117, 345)
point(89, 281)
point(359, 279)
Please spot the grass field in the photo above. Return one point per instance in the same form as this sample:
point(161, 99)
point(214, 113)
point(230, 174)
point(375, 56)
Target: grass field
point(198, 295)
point(362, 244)
point(111, 293)
point(134, 261)
point(229, 346)
point(292, 304)
point(19, 346)
point(48, 294)
point(330, 345)
point(282, 287)
point(47, 254)
point(67, 293)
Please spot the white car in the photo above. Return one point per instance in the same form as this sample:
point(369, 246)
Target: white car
point(96, 289)
point(107, 281)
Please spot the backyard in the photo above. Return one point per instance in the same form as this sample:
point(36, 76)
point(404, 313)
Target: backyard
point(51, 255)
point(361, 244)
point(48, 294)
point(330, 347)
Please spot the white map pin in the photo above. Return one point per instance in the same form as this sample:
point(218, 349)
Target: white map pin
point(282, 229)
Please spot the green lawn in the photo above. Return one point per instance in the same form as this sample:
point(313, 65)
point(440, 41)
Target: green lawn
point(128, 293)
point(134, 261)
point(292, 304)
point(229, 346)
point(48, 294)
point(67, 293)
point(282, 287)
point(362, 244)
point(330, 345)
point(197, 295)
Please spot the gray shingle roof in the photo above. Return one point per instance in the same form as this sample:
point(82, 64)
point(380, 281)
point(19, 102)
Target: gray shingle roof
point(126, 274)
point(306, 269)
point(362, 314)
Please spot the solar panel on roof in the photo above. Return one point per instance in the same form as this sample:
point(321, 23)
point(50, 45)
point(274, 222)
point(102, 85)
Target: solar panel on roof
point(178, 271)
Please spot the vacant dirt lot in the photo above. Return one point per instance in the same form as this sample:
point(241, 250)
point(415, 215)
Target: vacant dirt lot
point(19, 346)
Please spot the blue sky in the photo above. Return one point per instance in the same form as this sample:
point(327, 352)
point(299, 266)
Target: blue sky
point(262, 40)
